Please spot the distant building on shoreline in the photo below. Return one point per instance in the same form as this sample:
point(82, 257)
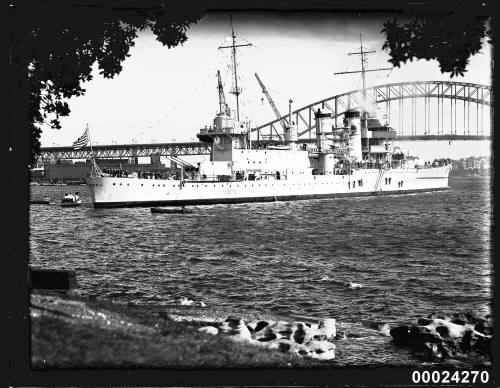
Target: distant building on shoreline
point(471, 166)
point(67, 171)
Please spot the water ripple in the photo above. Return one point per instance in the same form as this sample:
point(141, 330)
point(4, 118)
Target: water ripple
point(413, 255)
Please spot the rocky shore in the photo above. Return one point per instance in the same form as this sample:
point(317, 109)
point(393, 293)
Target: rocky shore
point(439, 336)
point(69, 331)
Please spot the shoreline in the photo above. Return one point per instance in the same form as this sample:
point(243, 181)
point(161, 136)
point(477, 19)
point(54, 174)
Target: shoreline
point(69, 331)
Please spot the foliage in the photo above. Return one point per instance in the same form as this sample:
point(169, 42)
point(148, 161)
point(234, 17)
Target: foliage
point(59, 45)
point(449, 36)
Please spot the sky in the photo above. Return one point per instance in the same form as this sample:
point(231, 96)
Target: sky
point(167, 95)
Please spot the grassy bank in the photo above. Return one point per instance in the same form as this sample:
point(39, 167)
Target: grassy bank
point(75, 332)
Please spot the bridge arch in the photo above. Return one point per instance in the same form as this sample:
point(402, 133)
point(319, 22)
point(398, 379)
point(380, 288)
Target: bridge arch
point(424, 91)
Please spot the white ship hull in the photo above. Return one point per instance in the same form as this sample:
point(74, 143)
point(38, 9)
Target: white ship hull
point(110, 192)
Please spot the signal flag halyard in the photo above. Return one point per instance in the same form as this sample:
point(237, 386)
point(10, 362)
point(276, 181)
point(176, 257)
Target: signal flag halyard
point(82, 140)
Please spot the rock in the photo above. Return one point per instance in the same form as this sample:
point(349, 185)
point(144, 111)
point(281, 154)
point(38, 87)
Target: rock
point(209, 329)
point(384, 329)
point(262, 324)
point(438, 316)
point(340, 335)
point(301, 333)
point(296, 331)
point(283, 329)
point(185, 301)
point(297, 337)
point(323, 350)
point(256, 326)
point(271, 332)
point(327, 328)
point(268, 333)
point(284, 346)
point(439, 338)
point(482, 325)
point(265, 336)
point(424, 321)
point(401, 335)
point(236, 327)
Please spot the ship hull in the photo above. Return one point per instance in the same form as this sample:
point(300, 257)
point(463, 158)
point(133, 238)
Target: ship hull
point(112, 192)
point(215, 201)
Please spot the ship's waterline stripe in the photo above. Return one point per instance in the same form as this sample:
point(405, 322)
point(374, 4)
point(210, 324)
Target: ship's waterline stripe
point(214, 201)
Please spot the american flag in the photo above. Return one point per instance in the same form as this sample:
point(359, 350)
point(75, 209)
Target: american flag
point(82, 140)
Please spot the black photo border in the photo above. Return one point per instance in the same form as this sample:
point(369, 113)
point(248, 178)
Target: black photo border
point(16, 150)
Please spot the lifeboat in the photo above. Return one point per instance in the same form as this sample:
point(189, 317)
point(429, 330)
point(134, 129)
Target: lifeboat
point(71, 200)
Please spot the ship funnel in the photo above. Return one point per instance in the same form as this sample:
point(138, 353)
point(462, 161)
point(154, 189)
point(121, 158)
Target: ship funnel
point(324, 123)
point(352, 120)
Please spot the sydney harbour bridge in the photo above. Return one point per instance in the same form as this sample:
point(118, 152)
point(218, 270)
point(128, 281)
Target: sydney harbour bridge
point(423, 110)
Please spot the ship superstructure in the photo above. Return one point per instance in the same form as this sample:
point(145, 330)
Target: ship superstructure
point(357, 158)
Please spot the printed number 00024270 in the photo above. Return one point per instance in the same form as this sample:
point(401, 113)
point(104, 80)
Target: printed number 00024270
point(453, 377)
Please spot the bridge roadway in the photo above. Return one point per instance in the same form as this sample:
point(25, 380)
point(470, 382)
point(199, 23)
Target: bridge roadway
point(118, 151)
point(174, 150)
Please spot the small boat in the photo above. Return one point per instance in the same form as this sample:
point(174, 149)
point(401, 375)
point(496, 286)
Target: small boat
point(71, 200)
point(44, 201)
point(170, 211)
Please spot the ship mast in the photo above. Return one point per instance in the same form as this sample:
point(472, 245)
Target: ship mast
point(236, 91)
point(363, 70)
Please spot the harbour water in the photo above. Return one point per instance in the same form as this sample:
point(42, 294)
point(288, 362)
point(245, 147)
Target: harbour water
point(371, 263)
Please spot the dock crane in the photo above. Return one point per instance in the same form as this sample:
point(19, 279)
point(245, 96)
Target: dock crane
point(224, 108)
point(282, 120)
